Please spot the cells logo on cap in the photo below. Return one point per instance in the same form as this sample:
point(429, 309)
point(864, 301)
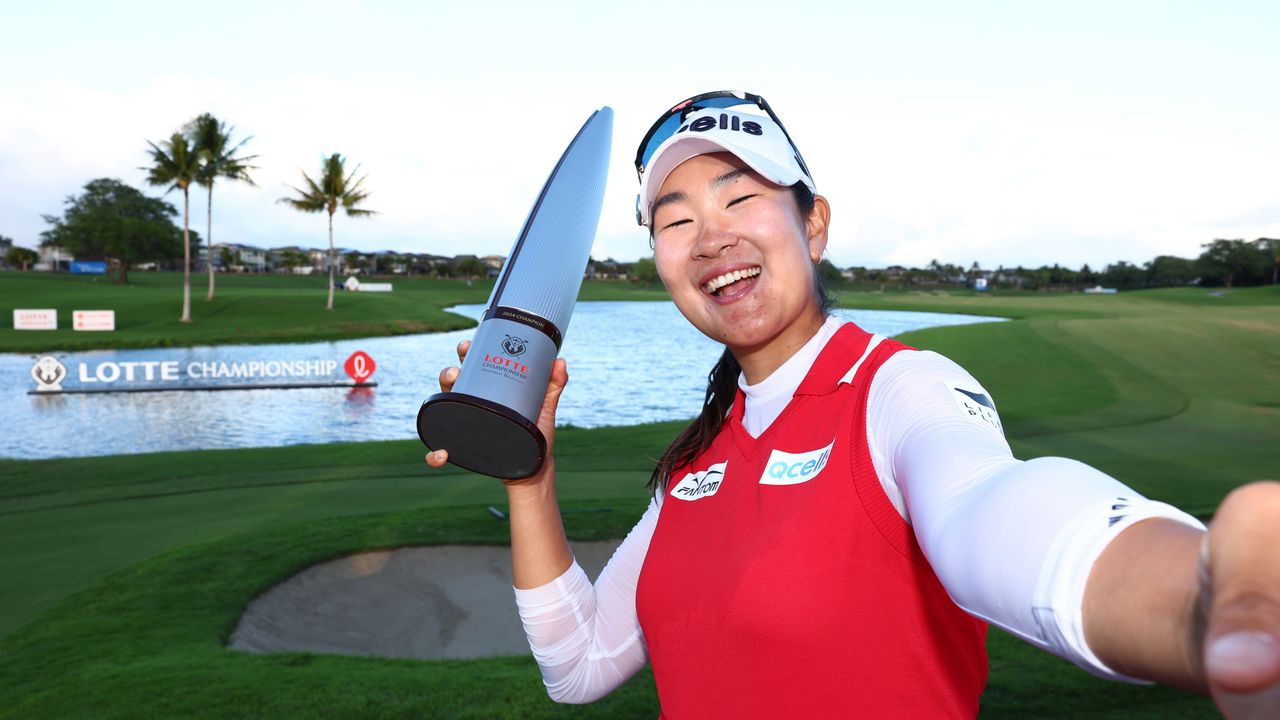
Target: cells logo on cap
point(706, 122)
point(360, 366)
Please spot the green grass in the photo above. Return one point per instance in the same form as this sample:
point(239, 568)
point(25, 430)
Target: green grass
point(246, 309)
point(124, 575)
point(1175, 392)
point(73, 521)
point(148, 642)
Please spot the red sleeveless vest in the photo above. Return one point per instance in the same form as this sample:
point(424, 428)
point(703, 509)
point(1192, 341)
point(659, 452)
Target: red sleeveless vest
point(782, 583)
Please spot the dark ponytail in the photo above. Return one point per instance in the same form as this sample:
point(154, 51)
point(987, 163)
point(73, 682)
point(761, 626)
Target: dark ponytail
point(722, 384)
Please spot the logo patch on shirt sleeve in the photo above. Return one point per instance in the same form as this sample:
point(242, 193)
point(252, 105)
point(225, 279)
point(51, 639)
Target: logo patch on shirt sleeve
point(977, 406)
point(702, 484)
point(786, 468)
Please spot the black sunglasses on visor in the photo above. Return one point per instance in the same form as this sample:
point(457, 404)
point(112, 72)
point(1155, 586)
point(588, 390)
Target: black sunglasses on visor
point(670, 122)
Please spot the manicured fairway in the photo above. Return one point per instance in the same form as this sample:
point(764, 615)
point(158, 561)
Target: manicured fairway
point(1175, 392)
point(123, 575)
point(247, 309)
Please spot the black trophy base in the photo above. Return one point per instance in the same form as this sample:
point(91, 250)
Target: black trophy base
point(481, 435)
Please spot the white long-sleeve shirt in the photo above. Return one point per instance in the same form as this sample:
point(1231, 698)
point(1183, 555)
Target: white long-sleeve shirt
point(1012, 541)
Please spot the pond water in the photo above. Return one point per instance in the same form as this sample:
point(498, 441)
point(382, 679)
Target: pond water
point(629, 363)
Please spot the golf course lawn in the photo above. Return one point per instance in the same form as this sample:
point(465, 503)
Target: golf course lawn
point(246, 309)
point(124, 575)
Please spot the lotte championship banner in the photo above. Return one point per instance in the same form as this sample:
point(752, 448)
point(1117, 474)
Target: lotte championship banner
point(119, 372)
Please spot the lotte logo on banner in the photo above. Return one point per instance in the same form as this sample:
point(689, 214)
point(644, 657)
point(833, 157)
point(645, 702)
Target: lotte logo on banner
point(360, 366)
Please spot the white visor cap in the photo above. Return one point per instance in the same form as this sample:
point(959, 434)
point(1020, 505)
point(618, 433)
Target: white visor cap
point(755, 139)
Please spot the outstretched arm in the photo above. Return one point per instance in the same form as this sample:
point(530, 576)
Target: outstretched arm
point(1073, 561)
point(1197, 611)
point(1012, 541)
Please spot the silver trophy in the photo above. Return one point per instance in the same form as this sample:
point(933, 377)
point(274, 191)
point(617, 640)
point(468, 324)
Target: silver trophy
point(487, 423)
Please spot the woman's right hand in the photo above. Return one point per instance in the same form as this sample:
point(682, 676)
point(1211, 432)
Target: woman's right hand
point(539, 551)
point(546, 415)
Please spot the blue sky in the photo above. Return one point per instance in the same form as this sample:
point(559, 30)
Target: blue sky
point(1002, 132)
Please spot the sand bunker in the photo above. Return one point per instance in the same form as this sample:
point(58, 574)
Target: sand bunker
point(421, 602)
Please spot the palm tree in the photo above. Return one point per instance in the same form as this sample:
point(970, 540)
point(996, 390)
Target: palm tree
point(177, 165)
point(336, 189)
point(211, 141)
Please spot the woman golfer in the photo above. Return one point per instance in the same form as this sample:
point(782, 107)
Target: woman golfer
point(830, 537)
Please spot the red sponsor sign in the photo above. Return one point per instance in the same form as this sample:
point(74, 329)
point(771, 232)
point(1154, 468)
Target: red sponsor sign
point(360, 366)
point(93, 320)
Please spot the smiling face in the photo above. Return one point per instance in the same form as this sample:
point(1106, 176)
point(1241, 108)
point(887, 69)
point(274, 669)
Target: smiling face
point(737, 258)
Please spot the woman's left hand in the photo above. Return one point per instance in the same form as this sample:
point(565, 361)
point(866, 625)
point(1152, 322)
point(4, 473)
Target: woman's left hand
point(1241, 592)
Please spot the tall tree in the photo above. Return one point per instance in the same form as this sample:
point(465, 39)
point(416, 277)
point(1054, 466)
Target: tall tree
point(936, 269)
point(115, 222)
point(1271, 247)
point(211, 140)
point(1170, 271)
point(336, 189)
point(645, 271)
point(1123, 274)
point(174, 163)
point(1234, 260)
point(21, 257)
point(831, 274)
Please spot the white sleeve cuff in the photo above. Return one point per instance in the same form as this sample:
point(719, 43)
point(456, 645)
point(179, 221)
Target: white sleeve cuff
point(573, 582)
point(558, 621)
point(1059, 595)
point(586, 638)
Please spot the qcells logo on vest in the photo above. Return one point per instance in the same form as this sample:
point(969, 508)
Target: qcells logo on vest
point(786, 468)
point(700, 484)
